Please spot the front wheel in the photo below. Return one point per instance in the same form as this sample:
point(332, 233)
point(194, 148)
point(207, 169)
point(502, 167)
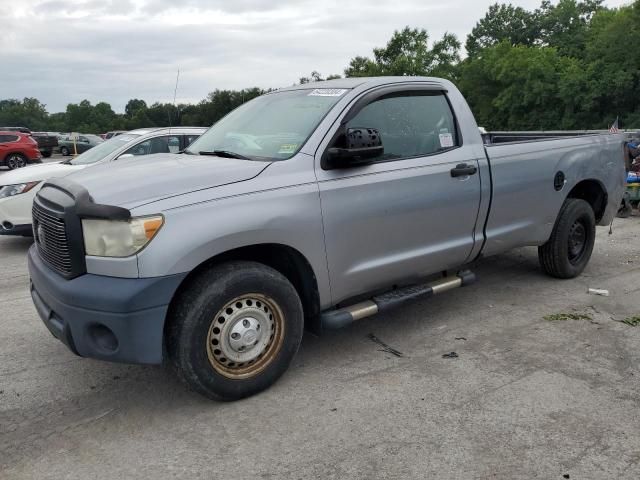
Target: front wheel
point(47, 153)
point(64, 151)
point(568, 250)
point(234, 330)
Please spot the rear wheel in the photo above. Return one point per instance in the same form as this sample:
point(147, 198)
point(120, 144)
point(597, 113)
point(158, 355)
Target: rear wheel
point(234, 330)
point(568, 250)
point(16, 160)
point(47, 153)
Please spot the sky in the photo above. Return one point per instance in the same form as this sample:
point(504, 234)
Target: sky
point(64, 51)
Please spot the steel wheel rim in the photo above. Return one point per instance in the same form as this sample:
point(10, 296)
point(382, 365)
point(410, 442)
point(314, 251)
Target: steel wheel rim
point(253, 321)
point(577, 241)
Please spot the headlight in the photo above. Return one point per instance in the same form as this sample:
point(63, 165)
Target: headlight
point(116, 238)
point(11, 190)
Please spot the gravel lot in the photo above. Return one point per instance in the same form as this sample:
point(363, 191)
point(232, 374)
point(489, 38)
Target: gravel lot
point(526, 397)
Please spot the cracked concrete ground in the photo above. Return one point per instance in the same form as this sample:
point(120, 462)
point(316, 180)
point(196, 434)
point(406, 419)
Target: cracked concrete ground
point(526, 397)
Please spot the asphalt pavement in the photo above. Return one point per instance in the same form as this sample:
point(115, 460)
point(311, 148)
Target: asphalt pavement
point(523, 397)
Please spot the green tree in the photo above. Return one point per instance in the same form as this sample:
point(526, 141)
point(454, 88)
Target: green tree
point(613, 71)
point(220, 102)
point(518, 87)
point(503, 23)
point(103, 117)
point(133, 106)
point(565, 25)
point(408, 53)
point(79, 117)
point(28, 113)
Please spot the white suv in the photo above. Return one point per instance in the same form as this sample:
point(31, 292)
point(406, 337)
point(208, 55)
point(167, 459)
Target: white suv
point(19, 187)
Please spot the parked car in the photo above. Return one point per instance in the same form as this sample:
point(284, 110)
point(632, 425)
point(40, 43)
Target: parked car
point(46, 142)
point(315, 205)
point(18, 149)
point(112, 134)
point(17, 189)
point(82, 144)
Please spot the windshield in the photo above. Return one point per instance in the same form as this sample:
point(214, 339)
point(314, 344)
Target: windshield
point(100, 151)
point(273, 126)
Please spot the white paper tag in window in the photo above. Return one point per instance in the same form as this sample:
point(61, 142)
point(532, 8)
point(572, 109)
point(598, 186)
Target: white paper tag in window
point(327, 92)
point(446, 140)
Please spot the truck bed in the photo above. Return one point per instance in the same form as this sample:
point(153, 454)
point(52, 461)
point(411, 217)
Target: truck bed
point(525, 203)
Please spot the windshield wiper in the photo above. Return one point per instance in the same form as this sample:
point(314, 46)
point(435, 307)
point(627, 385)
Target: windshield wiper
point(224, 154)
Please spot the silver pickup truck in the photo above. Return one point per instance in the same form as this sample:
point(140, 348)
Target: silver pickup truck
point(313, 206)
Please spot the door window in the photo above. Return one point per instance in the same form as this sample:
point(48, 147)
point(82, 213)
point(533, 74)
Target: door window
point(166, 144)
point(410, 124)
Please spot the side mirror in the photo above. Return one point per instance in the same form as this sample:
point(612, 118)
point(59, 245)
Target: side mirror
point(363, 145)
point(125, 155)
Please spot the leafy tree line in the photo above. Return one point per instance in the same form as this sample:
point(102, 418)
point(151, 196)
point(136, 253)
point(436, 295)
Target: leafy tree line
point(98, 118)
point(568, 65)
point(565, 65)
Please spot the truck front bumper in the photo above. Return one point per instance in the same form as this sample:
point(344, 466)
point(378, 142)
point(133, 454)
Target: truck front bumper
point(108, 318)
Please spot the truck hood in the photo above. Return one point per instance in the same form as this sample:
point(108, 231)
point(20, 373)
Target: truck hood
point(35, 173)
point(133, 182)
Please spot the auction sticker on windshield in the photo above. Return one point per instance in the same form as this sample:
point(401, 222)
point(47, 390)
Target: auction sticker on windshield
point(327, 92)
point(288, 148)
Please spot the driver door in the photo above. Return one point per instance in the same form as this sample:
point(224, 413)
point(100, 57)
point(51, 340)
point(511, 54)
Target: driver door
point(405, 215)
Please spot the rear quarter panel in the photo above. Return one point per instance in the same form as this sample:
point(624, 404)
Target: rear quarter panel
point(525, 204)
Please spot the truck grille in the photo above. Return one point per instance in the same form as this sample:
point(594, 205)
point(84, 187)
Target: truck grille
point(51, 240)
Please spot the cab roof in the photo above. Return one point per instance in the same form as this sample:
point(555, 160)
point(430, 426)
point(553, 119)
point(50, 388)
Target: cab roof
point(353, 82)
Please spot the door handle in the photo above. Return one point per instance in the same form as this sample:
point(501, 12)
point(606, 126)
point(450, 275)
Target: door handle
point(463, 170)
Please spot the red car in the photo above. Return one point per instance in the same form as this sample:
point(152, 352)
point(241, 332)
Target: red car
point(18, 149)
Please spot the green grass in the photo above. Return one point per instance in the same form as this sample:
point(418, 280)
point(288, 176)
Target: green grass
point(632, 321)
point(558, 317)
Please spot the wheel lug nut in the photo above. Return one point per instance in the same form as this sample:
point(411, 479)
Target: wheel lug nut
point(245, 323)
point(235, 335)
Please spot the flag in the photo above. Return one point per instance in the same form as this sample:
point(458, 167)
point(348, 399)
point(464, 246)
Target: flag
point(614, 127)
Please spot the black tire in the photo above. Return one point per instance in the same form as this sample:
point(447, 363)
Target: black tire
point(64, 151)
point(47, 153)
point(15, 161)
point(568, 250)
point(207, 302)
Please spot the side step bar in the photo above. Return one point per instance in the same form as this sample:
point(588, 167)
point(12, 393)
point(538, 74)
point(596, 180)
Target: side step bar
point(381, 303)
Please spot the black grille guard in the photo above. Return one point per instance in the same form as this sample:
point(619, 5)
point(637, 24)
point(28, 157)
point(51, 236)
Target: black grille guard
point(85, 207)
point(71, 202)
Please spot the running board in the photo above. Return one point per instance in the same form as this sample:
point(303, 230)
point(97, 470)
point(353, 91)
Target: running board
point(381, 303)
